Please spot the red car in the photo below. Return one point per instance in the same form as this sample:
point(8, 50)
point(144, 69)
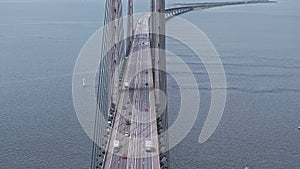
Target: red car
point(124, 157)
point(146, 110)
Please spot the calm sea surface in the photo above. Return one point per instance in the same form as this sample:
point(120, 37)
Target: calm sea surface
point(258, 44)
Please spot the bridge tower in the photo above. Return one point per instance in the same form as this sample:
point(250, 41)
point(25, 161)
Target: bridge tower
point(107, 79)
point(129, 25)
point(160, 76)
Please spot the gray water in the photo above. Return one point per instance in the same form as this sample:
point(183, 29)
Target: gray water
point(258, 44)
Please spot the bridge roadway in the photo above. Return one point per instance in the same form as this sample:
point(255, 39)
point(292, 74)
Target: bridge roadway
point(137, 106)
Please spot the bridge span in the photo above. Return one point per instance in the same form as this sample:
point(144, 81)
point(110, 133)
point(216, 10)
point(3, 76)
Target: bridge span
point(135, 119)
point(134, 141)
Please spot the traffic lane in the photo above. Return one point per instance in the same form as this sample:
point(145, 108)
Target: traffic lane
point(146, 162)
point(136, 113)
point(117, 161)
point(120, 133)
point(140, 162)
point(130, 130)
point(131, 160)
point(116, 158)
point(147, 125)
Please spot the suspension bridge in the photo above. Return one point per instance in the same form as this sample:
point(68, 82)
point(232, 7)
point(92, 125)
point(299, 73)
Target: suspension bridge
point(134, 133)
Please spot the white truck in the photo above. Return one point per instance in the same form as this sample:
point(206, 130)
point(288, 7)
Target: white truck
point(148, 146)
point(116, 146)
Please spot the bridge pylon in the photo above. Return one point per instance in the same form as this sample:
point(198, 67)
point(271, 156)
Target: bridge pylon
point(160, 78)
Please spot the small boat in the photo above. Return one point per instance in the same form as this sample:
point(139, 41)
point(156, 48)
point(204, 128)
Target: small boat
point(83, 82)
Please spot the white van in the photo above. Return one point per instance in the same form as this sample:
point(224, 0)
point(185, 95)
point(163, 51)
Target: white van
point(148, 146)
point(126, 85)
point(116, 146)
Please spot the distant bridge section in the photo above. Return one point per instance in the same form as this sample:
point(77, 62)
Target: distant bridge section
point(187, 7)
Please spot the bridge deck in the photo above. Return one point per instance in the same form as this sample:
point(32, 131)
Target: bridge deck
point(137, 106)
